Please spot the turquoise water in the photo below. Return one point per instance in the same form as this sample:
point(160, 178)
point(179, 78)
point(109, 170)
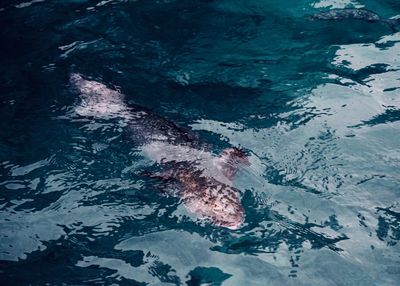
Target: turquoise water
point(314, 104)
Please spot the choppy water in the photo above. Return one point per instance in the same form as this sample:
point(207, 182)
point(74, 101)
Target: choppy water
point(316, 105)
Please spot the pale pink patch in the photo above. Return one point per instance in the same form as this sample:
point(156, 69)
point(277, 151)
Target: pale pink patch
point(98, 100)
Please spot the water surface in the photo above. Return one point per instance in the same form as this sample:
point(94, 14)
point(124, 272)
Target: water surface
point(315, 104)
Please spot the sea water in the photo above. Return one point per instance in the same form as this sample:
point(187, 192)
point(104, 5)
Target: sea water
point(315, 105)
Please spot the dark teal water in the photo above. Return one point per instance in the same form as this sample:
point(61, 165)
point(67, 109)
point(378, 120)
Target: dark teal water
point(315, 104)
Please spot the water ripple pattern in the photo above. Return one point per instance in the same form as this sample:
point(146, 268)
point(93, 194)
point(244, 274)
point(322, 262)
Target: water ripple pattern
point(200, 142)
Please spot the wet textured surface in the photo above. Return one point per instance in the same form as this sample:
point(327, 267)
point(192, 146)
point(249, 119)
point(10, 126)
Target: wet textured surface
point(314, 103)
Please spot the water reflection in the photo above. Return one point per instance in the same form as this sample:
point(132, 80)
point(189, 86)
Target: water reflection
point(315, 106)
